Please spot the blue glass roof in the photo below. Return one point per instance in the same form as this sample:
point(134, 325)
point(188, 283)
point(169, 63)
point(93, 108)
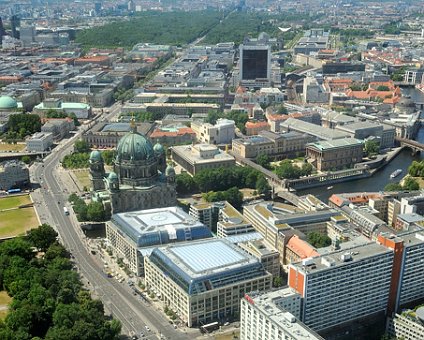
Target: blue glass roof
point(207, 256)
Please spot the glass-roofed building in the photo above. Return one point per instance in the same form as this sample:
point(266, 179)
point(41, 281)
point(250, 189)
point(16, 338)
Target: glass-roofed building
point(203, 281)
point(135, 234)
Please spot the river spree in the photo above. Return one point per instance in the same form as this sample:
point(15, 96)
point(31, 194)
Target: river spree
point(382, 177)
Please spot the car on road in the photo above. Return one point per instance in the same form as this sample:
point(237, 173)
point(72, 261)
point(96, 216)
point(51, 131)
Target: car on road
point(147, 328)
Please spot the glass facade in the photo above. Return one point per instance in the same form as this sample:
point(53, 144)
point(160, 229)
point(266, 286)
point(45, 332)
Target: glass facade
point(255, 64)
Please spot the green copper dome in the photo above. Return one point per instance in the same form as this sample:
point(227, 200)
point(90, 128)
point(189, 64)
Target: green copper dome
point(96, 156)
point(113, 177)
point(7, 102)
point(158, 148)
point(134, 147)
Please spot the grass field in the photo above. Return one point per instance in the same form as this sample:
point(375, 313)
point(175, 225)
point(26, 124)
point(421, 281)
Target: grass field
point(82, 177)
point(14, 201)
point(5, 147)
point(17, 222)
point(4, 298)
point(4, 301)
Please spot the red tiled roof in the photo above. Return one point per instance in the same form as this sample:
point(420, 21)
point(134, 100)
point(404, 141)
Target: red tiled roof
point(301, 248)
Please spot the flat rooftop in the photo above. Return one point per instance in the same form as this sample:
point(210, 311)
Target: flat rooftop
point(200, 258)
point(335, 259)
point(157, 226)
point(293, 124)
point(265, 303)
point(336, 143)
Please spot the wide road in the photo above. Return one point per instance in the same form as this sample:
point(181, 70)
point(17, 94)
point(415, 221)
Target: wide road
point(117, 298)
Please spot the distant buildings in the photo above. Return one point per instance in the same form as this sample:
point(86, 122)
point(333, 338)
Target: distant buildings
point(195, 158)
point(200, 286)
point(312, 41)
point(173, 135)
point(58, 127)
point(81, 111)
point(13, 174)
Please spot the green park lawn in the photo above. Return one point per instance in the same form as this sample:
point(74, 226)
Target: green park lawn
point(82, 177)
point(17, 221)
point(14, 201)
point(6, 147)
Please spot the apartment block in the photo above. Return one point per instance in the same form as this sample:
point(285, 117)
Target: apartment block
point(273, 316)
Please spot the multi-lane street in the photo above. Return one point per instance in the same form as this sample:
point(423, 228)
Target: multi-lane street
point(117, 298)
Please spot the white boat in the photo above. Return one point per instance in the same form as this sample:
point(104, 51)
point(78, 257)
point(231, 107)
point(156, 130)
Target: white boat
point(396, 173)
point(330, 187)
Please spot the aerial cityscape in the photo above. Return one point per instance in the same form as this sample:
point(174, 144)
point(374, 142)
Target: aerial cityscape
point(180, 169)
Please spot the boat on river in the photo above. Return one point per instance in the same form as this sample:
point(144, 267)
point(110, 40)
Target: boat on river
point(396, 173)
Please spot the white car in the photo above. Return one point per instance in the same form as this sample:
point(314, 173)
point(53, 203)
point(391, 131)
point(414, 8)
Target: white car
point(147, 328)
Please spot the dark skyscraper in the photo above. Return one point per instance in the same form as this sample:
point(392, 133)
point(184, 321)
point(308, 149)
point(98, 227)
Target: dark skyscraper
point(15, 22)
point(2, 30)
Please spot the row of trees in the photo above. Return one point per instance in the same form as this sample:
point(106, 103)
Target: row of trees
point(21, 125)
point(49, 301)
point(93, 211)
point(233, 195)
point(222, 179)
point(409, 184)
point(286, 169)
point(416, 169)
point(79, 159)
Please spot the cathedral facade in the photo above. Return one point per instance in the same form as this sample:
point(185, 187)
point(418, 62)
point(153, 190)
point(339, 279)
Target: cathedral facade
point(140, 178)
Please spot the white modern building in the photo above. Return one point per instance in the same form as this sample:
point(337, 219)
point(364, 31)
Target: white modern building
point(223, 132)
point(231, 222)
point(39, 142)
point(273, 316)
point(408, 326)
point(204, 281)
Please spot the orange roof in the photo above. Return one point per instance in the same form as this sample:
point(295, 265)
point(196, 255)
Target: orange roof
point(186, 130)
point(336, 199)
point(240, 90)
point(327, 51)
point(93, 58)
point(256, 124)
point(161, 133)
point(301, 248)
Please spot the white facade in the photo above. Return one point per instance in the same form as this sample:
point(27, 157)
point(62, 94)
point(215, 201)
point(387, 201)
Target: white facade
point(222, 132)
point(406, 327)
point(273, 316)
point(200, 286)
point(39, 142)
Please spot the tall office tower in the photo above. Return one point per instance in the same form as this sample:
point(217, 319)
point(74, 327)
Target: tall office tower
point(2, 30)
point(255, 62)
point(97, 7)
point(27, 35)
point(15, 22)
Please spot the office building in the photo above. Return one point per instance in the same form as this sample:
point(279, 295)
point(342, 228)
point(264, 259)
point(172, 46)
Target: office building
point(255, 61)
point(343, 286)
point(27, 35)
point(199, 286)
point(206, 212)
point(58, 127)
point(133, 235)
point(222, 132)
point(298, 125)
point(335, 154)
point(13, 174)
point(273, 316)
point(195, 158)
point(231, 222)
point(39, 142)
point(409, 325)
